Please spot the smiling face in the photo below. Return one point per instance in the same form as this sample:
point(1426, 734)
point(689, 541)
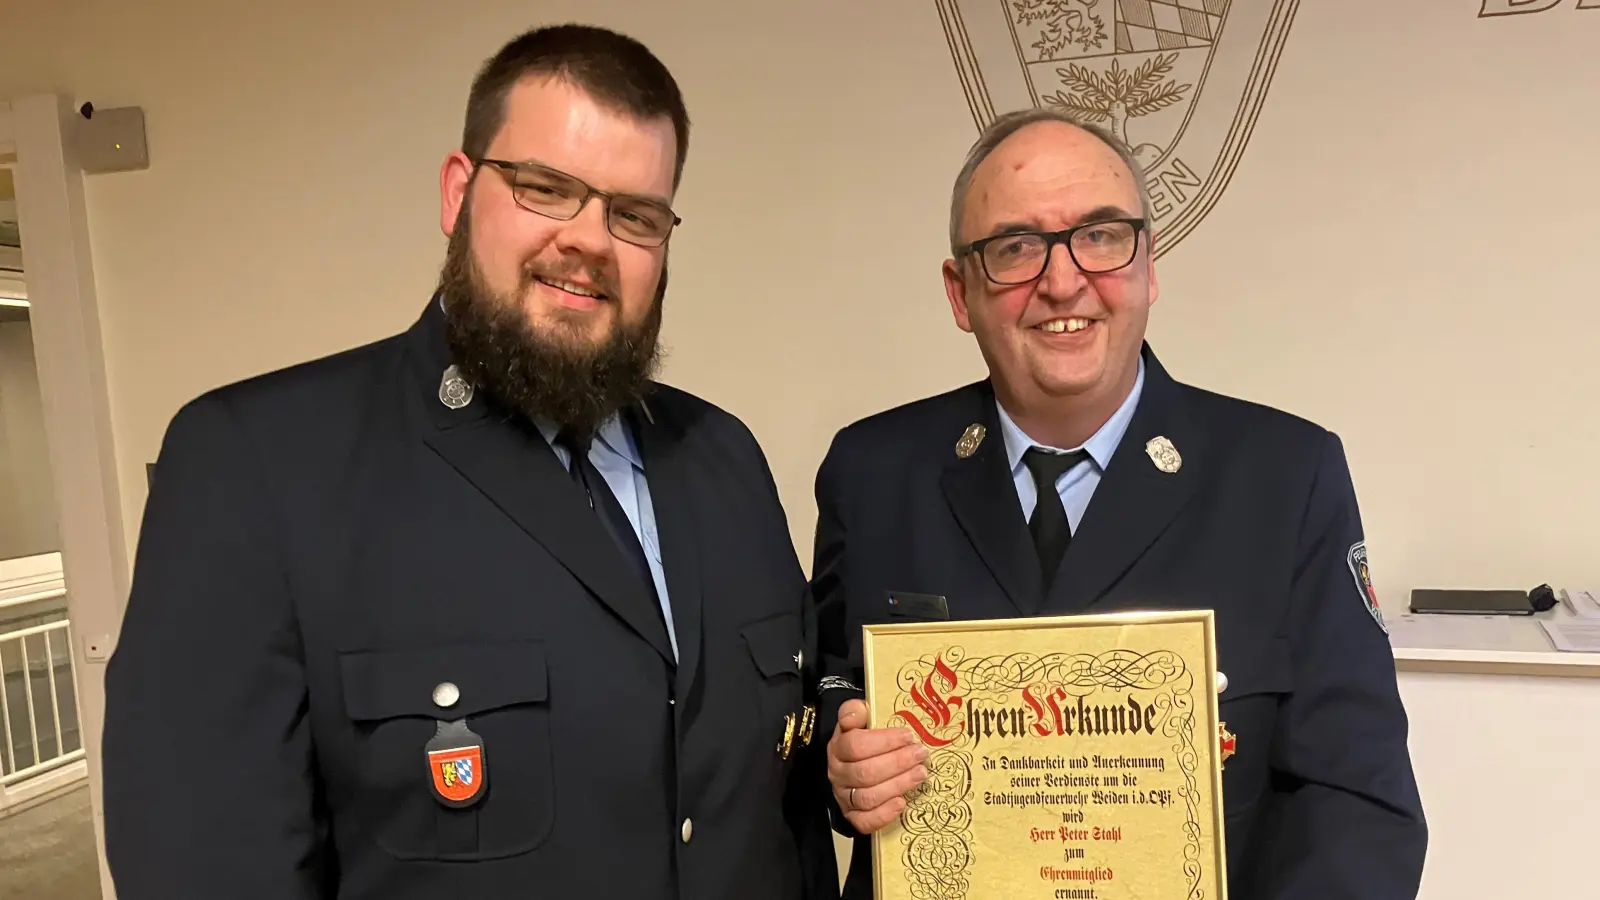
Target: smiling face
point(572, 279)
point(1065, 336)
point(557, 317)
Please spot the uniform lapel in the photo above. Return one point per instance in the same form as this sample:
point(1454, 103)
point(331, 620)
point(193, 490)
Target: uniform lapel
point(666, 467)
point(984, 500)
point(1135, 500)
point(515, 469)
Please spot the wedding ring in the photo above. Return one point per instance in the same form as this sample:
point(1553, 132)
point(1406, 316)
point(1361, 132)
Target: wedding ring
point(852, 798)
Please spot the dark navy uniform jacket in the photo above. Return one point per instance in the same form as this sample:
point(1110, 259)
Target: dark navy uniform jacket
point(326, 546)
point(1259, 523)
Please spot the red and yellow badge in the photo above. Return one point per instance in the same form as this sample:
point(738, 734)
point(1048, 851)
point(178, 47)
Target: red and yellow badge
point(458, 774)
point(1227, 743)
point(1356, 558)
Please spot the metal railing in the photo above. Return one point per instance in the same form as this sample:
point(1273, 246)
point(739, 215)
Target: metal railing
point(39, 727)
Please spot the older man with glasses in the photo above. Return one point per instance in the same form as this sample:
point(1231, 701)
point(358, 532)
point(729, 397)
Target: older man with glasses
point(1080, 477)
point(480, 609)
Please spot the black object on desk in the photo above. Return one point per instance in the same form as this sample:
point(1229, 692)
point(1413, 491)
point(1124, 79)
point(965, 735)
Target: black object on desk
point(1482, 602)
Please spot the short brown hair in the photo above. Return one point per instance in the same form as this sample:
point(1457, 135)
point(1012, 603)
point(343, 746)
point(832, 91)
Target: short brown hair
point(614, 69)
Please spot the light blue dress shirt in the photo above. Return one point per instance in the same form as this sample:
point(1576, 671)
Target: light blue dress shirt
point(617, 458)
point(1076, 485)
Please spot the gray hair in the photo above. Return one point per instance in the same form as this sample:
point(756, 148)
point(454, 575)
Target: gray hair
point(1012, 122)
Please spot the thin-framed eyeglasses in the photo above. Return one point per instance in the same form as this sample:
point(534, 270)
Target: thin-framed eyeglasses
point(1095, 247)
point(553, 193)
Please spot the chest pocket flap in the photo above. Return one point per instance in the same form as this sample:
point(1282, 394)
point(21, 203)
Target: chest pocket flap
point(774, 645)
point(1259, 667)
point(477, 677)
point(501, 688)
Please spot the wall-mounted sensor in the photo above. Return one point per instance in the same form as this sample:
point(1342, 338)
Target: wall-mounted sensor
point(111, 140)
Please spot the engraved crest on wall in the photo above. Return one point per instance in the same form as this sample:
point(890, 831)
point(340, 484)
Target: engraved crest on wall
point(1182, 81)
point(1494, 9)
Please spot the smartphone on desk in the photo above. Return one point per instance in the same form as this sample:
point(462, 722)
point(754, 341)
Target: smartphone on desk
point(1471, 602)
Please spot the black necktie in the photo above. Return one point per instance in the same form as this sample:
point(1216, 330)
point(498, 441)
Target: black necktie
point(1051, 530)
point(604, 502)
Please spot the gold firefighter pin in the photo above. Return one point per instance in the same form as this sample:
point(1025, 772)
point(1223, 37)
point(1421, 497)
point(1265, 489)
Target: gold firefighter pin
point(1163, 454)
point(1227, 744)
point(786, 746)
point(801, 728)
point(970, 439)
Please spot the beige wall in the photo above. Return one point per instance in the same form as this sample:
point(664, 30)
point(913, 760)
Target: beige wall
point(27, 504)
point(1403, 252)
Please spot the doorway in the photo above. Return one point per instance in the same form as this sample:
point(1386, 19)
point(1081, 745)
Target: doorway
point(47, 840)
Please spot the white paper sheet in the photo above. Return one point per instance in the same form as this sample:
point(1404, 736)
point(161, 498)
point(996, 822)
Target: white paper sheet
point(1574, 635)
point(1583, 603)
point(1506, 634)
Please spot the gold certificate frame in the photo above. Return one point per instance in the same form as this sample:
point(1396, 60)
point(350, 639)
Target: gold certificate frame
point(1072, 758)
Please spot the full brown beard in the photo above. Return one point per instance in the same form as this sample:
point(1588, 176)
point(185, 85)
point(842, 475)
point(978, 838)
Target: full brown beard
point(547, 374)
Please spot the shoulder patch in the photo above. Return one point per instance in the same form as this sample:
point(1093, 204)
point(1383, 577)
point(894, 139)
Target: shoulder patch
point(1357, 558)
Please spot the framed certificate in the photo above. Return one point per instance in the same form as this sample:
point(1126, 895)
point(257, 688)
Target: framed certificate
point(1070, 757)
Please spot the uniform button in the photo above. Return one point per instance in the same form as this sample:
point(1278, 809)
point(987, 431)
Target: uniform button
point(446, 695)
point(1222, 682)
point(688, 830)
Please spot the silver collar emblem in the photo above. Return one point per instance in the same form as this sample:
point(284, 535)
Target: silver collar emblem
point(1163, 454)
point(454, 390)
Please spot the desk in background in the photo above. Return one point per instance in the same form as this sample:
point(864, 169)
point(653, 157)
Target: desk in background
point(1493, 645)
point(1505, 738)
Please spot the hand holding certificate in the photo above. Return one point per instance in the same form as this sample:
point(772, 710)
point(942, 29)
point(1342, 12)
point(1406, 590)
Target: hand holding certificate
point(1072, 757)
point(872, 769)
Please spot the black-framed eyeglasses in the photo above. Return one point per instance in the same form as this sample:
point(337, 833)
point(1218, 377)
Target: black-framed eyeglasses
point(549, 192)
point(1095, 247)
